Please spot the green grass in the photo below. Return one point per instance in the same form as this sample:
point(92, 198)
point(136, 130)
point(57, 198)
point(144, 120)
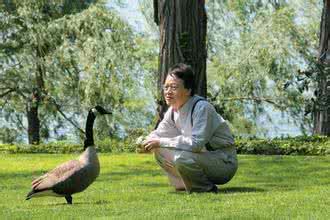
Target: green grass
point(132, 186)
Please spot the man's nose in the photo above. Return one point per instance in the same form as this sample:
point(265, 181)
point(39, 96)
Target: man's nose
point(168, 91)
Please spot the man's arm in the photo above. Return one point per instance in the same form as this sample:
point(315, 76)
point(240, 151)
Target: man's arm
point(206, 120)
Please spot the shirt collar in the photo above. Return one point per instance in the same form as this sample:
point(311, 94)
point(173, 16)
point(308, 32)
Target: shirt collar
point(186, 107)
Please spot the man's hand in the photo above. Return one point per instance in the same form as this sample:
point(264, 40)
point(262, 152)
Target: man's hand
point(151, 144)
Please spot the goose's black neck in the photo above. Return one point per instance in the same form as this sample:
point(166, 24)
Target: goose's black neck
point(89, 141)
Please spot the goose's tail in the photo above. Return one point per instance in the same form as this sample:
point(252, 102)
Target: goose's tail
point(40, 193)
point(30, 195)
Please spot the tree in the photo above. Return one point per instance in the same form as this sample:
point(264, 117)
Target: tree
point(87, 55)
point(27, 41)
point(322, 110)
point(182, 27)
point(256, 49)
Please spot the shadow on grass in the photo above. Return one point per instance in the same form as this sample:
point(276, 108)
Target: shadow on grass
point(13, 175)
point(228, 190)
point(153, 184)
point(99, 202)
point(119, 175)
point(59, 203)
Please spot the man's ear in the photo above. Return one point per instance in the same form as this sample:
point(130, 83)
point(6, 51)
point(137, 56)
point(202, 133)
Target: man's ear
point(189, 92)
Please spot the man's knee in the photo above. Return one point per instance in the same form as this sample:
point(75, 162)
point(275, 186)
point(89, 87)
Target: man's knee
point(182, 162)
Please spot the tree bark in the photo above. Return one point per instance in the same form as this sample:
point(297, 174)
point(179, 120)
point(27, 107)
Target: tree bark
point(34, 102)
point(33, 119)
point(182, 26)
point(322, 110)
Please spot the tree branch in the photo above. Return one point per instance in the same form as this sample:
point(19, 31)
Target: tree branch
point(7, 92)
point(58, 108)
point(21, 93)
point(20, 122)
point(255, 99)
point(156, 15)
point(10, 90)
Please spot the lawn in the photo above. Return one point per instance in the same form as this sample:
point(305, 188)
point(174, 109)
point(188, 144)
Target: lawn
point(131, 186)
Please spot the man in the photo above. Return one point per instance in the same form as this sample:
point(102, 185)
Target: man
point(193, 143)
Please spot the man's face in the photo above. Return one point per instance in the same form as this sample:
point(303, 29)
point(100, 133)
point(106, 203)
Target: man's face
point(174, 92)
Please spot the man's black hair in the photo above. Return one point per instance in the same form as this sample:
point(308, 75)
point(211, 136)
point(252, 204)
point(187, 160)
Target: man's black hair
point(185, 73)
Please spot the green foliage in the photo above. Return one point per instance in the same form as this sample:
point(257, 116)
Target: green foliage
point(302, 145)
point(61, 147)
point(9, 135)
point(255, 48)
point(105, 145)
point(115, 145)
point(52, 148)
point(132, 186)
point(80, 53)
point(30, 38)
point(77, 54)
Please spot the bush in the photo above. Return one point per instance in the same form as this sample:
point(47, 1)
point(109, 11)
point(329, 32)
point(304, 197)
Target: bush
point(52, 148)
point(10, 135)
point(302, 145)
point(116, 145)
point(106, 145)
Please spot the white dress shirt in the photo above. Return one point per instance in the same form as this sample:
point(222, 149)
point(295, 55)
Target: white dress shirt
point(208, 127)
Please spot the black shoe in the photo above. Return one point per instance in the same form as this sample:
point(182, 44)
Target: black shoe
point(180, 190)
point(214, 189)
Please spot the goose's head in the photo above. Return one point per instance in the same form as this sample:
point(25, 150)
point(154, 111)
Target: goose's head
point(100, 110)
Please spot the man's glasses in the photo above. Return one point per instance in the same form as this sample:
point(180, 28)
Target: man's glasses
point(170, 87)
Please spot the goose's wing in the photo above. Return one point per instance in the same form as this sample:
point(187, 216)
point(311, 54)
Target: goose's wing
point(77, 181)
point(53, 177)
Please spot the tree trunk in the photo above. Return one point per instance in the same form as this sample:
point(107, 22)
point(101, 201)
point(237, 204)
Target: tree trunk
point(182, 26)
point(33, 121)
point(322, 112)
point(33, 104)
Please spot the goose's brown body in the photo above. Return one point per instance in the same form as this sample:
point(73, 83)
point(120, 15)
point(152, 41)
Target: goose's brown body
point(73, 176)
point(68, 178)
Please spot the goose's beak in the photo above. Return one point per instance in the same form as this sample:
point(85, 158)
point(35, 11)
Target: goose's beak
point(106, 112)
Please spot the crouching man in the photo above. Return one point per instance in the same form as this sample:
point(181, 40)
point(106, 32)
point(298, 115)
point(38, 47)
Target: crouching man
point(193, 143)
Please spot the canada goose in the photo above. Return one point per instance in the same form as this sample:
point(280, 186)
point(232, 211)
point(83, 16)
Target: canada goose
point(75, 175)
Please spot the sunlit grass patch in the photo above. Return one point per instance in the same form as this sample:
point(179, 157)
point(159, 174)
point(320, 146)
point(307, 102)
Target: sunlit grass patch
point(132, 186)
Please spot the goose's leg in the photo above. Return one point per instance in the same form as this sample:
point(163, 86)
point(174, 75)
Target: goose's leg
point(68, 199)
